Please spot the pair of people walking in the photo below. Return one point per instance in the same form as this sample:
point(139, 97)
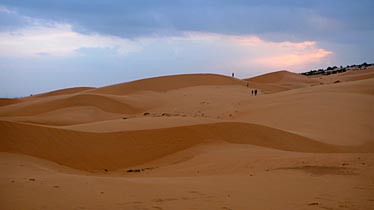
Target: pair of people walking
point(254, 92)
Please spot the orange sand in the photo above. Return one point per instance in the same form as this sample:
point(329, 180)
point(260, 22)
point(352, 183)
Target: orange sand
point(198, 141)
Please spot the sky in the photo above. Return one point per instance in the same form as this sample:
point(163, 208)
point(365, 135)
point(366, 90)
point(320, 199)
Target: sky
point(52, 44)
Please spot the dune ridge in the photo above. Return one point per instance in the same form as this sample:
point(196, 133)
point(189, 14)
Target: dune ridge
point(281, 81)
point(281, 77)
point(9, 101)
point(97, 151)
point(64, 91)
point(166, 83)
point(102, 102)
point(75, 115)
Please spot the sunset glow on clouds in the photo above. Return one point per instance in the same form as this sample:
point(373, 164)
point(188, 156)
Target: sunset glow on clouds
point(60, 40)
point(256, 52)
point(298, 58)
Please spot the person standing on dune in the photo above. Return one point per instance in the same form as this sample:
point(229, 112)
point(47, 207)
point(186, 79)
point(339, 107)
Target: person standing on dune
point(256, 92)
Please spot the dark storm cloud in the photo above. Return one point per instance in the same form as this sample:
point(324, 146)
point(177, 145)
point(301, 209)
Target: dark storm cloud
point(325, 20)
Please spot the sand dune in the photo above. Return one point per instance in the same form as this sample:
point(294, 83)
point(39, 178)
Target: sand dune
point(37, 184)
point(281, 81)
point(75, 115)
point(335, 114)
point(9, 101)
point(281, 77)
point(35, 107)
point(64, 91)
point(138, 123)
point(198, 141)
point(352, 75)
point(165, 83)
point(358, 74)
point(97, 151)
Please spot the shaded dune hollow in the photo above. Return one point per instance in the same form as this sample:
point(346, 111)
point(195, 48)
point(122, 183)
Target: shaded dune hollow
point(99, 151)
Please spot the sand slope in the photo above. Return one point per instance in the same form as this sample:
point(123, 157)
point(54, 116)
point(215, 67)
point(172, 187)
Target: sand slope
point(138, 123)
point(335, 114)
point(75, 115)
point(352, 75)
point(64, 91)
point(281, 77)
point(165, 83)
point(97, 151)
point(8, 101)
point(32, 183)
point(35, 107)
point(198, 141)
point(281, 81)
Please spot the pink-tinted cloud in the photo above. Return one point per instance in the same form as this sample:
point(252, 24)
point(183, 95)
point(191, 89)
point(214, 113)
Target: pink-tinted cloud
point(255, 52)
point(221, 52)
point(297, 59)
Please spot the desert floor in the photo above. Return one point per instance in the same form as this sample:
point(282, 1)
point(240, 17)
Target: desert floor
point(200, 141)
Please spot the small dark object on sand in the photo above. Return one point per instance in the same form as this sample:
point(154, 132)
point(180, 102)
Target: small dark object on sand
point(134, 170)
point(138, 170)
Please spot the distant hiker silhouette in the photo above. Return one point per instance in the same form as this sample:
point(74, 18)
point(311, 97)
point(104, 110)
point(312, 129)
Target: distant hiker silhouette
point(232, 74)
point(255, 92)
point(252, 92)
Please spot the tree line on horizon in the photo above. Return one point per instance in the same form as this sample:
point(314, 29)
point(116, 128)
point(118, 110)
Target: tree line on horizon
point(335, 70)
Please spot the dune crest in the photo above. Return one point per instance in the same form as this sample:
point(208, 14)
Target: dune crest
point(44, 105)
point(97, 151)
point(63, 91)
point(281, 81)
point(166, 83)
point(280, 77)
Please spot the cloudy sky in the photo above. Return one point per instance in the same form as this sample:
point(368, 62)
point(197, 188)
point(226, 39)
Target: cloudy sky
point(52, 44)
